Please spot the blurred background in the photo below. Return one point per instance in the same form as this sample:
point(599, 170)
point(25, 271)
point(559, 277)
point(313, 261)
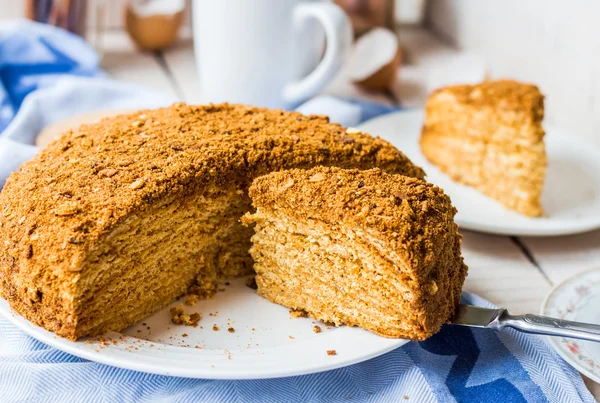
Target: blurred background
point(382, 55)
point(551, 43)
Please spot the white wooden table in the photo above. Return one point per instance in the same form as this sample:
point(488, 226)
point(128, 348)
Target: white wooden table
point(511, 272)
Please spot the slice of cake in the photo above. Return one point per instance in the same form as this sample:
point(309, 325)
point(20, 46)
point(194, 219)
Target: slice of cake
point(117, 219)
point(361, 248)
point(490, 136)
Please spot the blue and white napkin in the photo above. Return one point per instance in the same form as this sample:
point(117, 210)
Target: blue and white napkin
point(47, 75)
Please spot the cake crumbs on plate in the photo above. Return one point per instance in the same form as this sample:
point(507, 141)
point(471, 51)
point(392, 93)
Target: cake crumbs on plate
point(317, 329)
point(184, 335)
point(231, 330)
point(291, 337)
point(215, 328)
point(180, 318)
point(298, 313)
point(331, 352)
point(204, 288)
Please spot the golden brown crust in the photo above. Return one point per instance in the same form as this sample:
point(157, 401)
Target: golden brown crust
point(409, 217)
point(56, 208)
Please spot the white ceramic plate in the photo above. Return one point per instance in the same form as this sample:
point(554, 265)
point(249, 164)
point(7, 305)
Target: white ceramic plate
point(266, 342)
point(571, 196)
point(577, 298)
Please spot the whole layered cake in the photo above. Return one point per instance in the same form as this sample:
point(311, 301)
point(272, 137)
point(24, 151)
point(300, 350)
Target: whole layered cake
point(116, 220)
point(360, 248)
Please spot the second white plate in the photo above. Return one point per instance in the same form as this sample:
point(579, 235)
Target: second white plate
point(577, 298)
point(571, 196)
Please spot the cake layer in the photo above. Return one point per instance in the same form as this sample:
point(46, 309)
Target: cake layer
point(154, 256)
point(490, 136)
point(460, 158)
point(124, 214)
point(361, 248)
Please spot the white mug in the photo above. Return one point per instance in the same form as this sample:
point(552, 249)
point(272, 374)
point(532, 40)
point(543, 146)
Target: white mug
point(255, 52)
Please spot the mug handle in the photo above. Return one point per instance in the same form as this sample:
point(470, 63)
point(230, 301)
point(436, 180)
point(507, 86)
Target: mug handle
point(338, 34)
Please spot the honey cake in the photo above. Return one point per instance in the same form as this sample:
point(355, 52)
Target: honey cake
point(360, 248)
point(490, 136)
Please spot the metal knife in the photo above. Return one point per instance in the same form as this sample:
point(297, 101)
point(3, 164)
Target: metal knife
point(498, 319)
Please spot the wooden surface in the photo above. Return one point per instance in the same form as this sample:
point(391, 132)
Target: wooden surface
point(511, 272)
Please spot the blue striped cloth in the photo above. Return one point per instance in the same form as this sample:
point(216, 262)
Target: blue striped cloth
point(458, 364)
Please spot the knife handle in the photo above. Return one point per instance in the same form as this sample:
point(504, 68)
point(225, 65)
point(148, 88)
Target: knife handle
point(538, 324)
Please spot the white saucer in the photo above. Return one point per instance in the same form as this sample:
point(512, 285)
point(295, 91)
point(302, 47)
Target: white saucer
point(578, 299)
point(266, 342)
point(571, 196)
